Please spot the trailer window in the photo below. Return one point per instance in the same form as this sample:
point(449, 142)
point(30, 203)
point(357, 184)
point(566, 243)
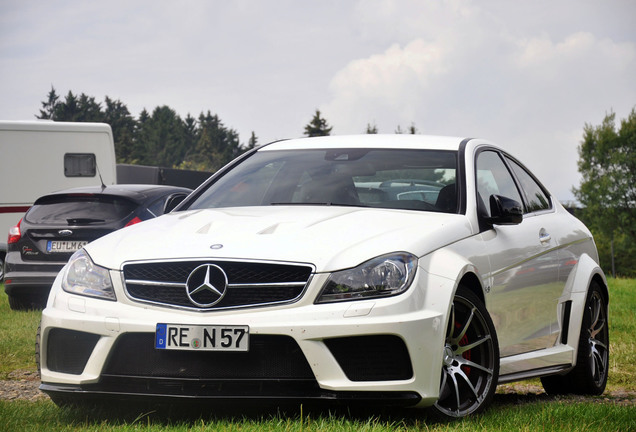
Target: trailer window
point(79, 165)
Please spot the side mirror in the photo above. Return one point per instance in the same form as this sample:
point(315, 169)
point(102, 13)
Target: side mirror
point(173, 202)
point(505, 211)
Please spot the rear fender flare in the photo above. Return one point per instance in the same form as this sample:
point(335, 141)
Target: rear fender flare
point(576, 289)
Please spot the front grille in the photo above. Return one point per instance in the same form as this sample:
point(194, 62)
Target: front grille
point(372, 358)
point(69, 350)
point(248, 283)
point(270, 357)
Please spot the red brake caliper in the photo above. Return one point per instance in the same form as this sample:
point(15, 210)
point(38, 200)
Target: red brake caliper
point(466, 354)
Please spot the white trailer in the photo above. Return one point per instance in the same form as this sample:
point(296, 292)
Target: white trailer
point(38, 157)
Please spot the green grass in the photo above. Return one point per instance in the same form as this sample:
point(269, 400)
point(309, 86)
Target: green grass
point(17, 337)
point(518, 412)
point(622, 324)
point(551, 415)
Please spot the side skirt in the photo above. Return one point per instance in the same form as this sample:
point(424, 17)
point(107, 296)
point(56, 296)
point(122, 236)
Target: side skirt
point(533, 364)
point(520, 376)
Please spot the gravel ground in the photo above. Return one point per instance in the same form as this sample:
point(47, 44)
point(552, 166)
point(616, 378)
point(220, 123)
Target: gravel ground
point(522, 392)
point(23, 384)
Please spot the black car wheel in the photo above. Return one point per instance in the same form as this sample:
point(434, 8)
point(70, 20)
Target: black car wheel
point(470, 367)
point(589, 376)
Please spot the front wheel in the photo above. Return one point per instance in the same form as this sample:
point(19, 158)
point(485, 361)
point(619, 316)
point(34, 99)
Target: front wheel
point(470, 366)
point(589, 376)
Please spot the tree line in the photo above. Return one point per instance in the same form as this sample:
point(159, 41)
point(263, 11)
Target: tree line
point(161, 137)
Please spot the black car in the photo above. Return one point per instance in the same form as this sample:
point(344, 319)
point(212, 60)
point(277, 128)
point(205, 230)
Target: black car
point(60, 223)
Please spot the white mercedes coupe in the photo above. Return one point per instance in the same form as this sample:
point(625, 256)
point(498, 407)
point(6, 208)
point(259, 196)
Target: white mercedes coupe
point(394, 270)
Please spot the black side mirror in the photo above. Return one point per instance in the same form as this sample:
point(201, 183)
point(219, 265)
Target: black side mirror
point(172, 202)
point(505, 211)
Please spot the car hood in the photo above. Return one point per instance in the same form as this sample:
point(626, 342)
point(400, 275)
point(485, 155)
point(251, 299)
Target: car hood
point(330, 238)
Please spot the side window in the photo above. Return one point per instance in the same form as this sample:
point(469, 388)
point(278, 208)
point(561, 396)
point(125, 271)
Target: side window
point(536, 197)
point(156, 207)
point(493, 178)
point(79, 165)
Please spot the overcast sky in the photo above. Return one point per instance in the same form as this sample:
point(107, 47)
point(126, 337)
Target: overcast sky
point(527, 75)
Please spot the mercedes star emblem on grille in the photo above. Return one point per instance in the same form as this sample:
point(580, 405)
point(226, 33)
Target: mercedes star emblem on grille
point(206, 285)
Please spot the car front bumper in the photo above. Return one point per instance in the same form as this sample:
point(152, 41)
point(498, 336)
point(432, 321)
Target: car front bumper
point(386, 350)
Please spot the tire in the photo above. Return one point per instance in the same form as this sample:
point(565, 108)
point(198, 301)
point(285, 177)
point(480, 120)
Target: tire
point(37, 349)
point(589, 376)
point(470, 367)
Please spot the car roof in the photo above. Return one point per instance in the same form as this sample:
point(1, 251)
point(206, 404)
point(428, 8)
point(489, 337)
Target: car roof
point(401, 141)
point(137, 192)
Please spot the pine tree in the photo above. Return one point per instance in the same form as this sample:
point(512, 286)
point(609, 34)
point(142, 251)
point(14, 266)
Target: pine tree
point(317, 126)
point(48, 108)
point(191, 134)
point(143, 135)
point(116, 114)
point(216, 145)
point(253, 141)
point(371, 129)
point(166, 145)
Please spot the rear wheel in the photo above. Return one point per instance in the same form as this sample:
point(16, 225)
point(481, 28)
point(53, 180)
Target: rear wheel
point(470, 367)
point(589, 376)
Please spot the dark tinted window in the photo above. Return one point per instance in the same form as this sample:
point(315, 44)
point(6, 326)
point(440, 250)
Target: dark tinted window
point(404, 179)
point(79, 165)
point(79, 209)
point(536, 198)
point(156, 207)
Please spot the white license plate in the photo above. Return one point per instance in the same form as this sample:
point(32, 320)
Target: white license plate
point(202, 337)
point(54, 246)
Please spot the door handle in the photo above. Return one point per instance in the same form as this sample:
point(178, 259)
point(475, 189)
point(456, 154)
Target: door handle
point(544, 236)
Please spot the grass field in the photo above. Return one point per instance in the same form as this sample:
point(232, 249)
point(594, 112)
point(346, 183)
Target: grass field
point(511, 410)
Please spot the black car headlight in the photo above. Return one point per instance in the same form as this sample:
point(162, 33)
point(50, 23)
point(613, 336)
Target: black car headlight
point(384, 276)
point(84, 277)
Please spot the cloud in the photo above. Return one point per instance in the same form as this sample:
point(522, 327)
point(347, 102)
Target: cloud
point(390, 82)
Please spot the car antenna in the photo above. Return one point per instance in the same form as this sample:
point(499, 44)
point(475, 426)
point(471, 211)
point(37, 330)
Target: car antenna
point(100, 177)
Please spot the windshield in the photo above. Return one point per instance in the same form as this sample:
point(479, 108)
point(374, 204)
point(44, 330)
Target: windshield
point(386, 178)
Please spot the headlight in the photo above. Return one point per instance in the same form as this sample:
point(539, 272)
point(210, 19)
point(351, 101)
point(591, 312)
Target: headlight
point(383, 276)
point(84, 277)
